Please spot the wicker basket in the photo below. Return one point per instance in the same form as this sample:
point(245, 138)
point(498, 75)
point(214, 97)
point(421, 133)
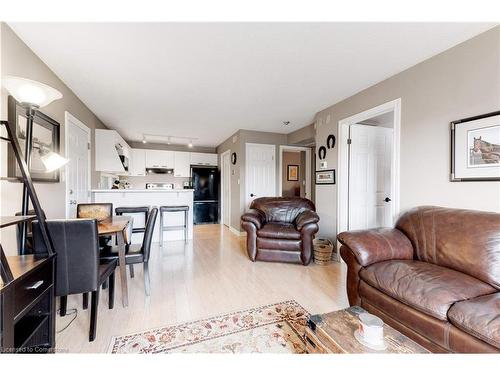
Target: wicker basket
point(323, 250)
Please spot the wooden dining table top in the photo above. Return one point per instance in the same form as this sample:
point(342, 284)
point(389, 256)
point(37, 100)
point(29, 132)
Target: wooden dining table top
point(113, 224)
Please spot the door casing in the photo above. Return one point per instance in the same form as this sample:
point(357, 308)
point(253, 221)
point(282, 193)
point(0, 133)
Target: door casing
point(68, 117)
point(343, 160)
point(225, 157)
point(307, 177)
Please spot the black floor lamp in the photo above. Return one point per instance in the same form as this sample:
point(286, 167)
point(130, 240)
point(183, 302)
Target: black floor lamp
point(32, 95)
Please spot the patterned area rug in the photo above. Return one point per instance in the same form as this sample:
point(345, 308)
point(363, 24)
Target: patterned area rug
point(276, 328)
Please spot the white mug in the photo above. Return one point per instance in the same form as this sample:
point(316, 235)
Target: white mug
point(371, 328)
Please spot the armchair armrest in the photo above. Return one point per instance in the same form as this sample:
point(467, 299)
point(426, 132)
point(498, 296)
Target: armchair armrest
point(255, 217)
point(376, 245)
point(306, 217)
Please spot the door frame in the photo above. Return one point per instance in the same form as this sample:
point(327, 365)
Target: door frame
point(68, 117)
point(225, 200)
point(343, 160)
point(246, 166)
point(307, 177)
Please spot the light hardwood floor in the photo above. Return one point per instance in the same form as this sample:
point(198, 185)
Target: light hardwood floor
point(208, 276)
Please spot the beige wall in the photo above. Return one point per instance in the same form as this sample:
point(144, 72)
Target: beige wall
point(18, 60)
point(302, 136)
point(461, 82)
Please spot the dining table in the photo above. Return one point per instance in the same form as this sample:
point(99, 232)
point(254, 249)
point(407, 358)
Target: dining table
point(120, 227)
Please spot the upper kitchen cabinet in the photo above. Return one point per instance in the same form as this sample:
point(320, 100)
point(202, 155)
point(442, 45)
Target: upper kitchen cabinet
point(138, 163)
point(112, 153)
point(182, 162)
point(199, 158)
point(159, 159)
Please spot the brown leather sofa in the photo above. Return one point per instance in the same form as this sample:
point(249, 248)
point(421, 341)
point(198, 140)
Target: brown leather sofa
point(280, 229)
point(435, 277)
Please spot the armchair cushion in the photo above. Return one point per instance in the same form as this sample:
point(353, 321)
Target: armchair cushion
point(306, 217)
point(280, 231)
point(255, 217)
point(376, 245)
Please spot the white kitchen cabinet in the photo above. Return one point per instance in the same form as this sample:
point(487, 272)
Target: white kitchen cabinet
point(182, 161)
point(200, 158)
point(159, 159)
point(110, 147)
point(138, 162)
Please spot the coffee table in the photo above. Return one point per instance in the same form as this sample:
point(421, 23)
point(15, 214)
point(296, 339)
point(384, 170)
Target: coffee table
point(334, 333)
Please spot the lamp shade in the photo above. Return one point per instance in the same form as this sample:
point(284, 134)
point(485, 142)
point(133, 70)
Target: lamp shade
point(31, 92)
point(53, 161)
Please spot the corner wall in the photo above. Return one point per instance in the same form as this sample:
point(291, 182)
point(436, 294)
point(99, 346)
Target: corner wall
point(461, 82)
point(18, 60)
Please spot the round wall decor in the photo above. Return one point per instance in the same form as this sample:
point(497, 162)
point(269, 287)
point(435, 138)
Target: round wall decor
point(330, 141)
point(322, 152)
point(233, 158)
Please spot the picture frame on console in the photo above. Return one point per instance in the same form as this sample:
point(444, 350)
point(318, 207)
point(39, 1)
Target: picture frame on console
point(475, 148)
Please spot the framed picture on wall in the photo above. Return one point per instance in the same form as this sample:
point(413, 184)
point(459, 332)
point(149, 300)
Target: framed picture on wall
point(475, 148)
point(45, 139)
point(293, 173)
point(325, 177)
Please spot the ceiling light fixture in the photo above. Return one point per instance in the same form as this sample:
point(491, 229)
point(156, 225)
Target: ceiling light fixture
point(168, 139)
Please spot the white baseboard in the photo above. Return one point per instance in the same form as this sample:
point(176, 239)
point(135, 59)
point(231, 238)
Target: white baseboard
point(237, 232)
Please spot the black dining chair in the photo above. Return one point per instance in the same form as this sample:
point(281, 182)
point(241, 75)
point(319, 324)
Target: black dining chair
point(78, 266)
point(135, 253)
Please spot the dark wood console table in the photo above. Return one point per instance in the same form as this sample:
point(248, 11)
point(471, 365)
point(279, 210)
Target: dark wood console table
point(27, 306)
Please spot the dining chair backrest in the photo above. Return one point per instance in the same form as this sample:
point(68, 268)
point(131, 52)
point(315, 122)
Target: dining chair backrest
point(148, 233)
point(77, 248)
point(99, 211)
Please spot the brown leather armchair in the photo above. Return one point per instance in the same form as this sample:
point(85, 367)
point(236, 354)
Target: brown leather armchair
point(280, 229)
point(435, 277)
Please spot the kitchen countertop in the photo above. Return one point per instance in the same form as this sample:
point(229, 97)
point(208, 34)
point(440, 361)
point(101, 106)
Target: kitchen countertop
point(142, 190)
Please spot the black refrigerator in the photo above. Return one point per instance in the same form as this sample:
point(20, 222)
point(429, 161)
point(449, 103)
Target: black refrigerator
point(205, 182)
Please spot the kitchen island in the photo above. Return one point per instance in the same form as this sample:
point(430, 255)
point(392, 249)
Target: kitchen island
point(151, 197)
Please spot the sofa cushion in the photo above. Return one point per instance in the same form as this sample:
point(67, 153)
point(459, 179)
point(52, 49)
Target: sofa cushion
point(479, 317)
point(427, 287)
point(284, 231)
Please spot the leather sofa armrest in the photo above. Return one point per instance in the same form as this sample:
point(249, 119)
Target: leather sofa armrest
point(376, 245)
point(306, 217)
point(255, 217)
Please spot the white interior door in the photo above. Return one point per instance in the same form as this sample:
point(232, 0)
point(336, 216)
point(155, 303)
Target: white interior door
point(78, 167)
point(260, 171)
point(226, 188)
point(370, 203)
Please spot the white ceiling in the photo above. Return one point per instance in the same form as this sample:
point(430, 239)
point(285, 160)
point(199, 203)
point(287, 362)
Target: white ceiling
point(207, 80)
